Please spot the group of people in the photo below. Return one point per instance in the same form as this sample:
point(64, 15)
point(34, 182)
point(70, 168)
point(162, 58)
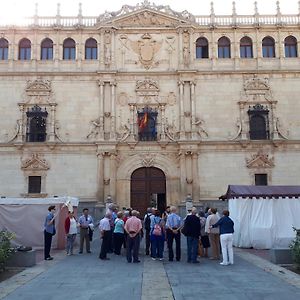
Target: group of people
point(125, 228)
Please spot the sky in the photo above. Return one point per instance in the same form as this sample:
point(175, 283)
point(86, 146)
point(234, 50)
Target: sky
point(13, 10)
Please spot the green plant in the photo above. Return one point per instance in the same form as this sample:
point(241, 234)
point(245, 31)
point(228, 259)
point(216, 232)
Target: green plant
point(295, 247)
point(5, 247)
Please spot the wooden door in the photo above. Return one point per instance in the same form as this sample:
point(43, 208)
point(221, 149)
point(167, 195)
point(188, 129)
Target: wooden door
point(144, 183)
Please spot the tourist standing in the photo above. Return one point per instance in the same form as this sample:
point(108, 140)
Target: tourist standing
point(118, 233)
point(104, 227)
point(147, 222)
point(204, 236)
point(133, 228)
point(157, 236)
point(226, 226)
point(192, 231)
point(173, 227)
point(49, 231)
point(71, 232)
point(85, 221)
point(213, 233)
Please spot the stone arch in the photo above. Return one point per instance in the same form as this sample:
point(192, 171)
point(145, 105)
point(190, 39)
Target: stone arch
point(167, 165)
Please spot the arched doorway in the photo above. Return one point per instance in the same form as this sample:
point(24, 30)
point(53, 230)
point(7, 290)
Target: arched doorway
point(147, 189)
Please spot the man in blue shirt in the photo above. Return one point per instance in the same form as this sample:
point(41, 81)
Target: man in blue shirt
point(173, 226)
point(85, 221)
point(49, 231)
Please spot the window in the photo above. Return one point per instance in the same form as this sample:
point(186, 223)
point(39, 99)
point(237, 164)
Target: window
point(34, 184)
point(261, 179)
point(147, 124)
point(246, 47)
point(3, 49)
point(24, 49)
point(202, 48)
point(47, 49)
point(290, 46)
point(91, 49)
point(36, 124)
point(268, 47)
point(258, 122)
point(224, 47)
point(69, 49)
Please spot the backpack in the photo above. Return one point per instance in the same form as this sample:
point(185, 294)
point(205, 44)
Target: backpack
point(157, 229)
point(147, 222)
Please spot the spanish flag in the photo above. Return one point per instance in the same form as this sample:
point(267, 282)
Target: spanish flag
point(143, 121)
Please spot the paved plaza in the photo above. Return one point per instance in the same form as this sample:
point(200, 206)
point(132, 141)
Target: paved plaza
point(87, 277)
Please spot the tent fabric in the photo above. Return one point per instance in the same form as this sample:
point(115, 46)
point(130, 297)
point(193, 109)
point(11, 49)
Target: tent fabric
point(26, 216)
point(264, 223)
point(259, 191)
point(50, 201)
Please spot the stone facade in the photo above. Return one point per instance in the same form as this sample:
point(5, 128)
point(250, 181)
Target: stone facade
point(146, 57)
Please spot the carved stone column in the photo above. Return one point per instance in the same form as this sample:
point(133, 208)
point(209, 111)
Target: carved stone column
point(163, 122)
point(274, 121)
point(21, 124)
point(132, 122)
point(182, 176)
point(243, 121)
point(180, 47)
point(196, 184)
point(100, 178)
point(181, 103)
point(106, 174)
point(101, 109)
point(193, 101)
point(189, 172)
point(113, 171)
point(52, 122)
point(113, 110)
point(214, 48)
point(113, 50)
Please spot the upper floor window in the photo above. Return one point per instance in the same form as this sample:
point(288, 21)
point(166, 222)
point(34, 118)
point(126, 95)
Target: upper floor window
point(259, 122)
point(147, 124)
point(202, 48)
point(25, 49)
point(34, 184)
point(268, 47)
point(69, 49)
point(246, 47)
point(47, 49)
point(3, 49)
point(261, 179)
point(290, 46)
point(91, 49)
point(224, 47)
point(36, 124)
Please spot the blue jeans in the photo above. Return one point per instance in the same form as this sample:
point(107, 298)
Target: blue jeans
point(70, 242)
point(157, 247)
point(192, 248)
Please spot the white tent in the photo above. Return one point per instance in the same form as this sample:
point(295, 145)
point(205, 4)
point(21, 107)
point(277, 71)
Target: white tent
point(26, 216)
point(264, 215)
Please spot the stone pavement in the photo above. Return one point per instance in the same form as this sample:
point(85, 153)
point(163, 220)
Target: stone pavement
point(89, 278)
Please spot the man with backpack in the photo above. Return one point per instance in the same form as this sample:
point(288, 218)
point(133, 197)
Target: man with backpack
point(147, 222)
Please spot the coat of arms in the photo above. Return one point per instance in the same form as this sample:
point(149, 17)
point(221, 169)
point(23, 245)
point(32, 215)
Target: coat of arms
point(146, 48)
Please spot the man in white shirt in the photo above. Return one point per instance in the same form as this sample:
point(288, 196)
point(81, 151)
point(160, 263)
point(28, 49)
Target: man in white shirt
point(104, 227)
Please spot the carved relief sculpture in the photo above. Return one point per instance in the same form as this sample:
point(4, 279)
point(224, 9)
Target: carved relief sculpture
point(260, 160)
point(146, 48)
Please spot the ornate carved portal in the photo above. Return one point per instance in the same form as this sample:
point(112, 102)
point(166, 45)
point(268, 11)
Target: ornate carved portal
point(34, 110)
point(257, 93)
point(148, 189)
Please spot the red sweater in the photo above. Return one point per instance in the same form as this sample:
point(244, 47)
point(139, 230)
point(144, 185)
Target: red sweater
point(67, 224)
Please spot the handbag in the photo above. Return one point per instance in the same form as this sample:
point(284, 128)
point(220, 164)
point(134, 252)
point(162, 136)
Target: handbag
point(54, 231)
point(200, 248)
